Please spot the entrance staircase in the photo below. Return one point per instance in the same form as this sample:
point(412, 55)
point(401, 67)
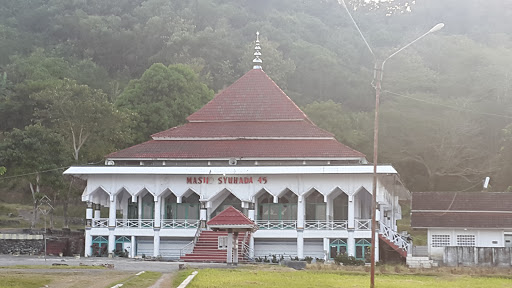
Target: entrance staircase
point(398, 242)
point(206, 248)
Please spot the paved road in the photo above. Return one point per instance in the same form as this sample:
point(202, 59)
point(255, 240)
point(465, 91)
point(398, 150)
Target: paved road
point(121, 264)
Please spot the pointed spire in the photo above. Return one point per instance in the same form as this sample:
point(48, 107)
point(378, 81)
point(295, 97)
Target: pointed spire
point(257, 61)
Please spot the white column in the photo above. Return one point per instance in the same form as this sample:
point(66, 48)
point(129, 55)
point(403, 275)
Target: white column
point(158, 212)
point(88, 243)
point(351, 212)
point(300, 212)
point(300, 243)
point(351, 243)
point(328, 209)
point(139, 209)
point(251, 245)
point(88, 214)
point(376, 247)
point(97, 211)
point(111, 242)
point(203, 214)
point(251, 213)
point(235, 248)
point(326, 248)
point(156, 243)
point(132, 249)
point(229, 258)
point(112, 212)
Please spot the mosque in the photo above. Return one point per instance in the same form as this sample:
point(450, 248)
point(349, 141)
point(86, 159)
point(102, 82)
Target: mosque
point(251, 147)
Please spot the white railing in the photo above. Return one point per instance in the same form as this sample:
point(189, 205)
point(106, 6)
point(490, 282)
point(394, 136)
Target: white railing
point(135, 223)
point(363, 224)
point(180, 223)
point(247, 251)
point(393, 236)
point(326, 225)
point(101, 223)
point(187, 249)
point(127, 223)
point(276, 224)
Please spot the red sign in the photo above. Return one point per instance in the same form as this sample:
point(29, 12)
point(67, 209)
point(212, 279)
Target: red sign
point(226, 180)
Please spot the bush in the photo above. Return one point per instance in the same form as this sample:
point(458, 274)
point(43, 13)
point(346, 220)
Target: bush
point(308, 259)
point(347, 260)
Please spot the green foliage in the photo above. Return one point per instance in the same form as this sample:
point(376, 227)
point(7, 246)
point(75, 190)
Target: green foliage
point(82, 115)
point(2, 170)
point(352, 129)
point(344, 259)
point(163, 97)
point(32, 151)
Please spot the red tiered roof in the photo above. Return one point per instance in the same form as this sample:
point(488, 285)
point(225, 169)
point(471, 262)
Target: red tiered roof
point(253, 97)
point(231, 217)
point(253, 129)
point(252, 118)
point(215, 149)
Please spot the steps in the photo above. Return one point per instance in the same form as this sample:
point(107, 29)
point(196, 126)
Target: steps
point(207, 250)
point(399, 250)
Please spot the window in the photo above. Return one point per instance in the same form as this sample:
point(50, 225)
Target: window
point(466, 240)
point(440, 240)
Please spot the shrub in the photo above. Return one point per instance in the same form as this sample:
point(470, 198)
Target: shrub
point(308, 259)
point(347, 260)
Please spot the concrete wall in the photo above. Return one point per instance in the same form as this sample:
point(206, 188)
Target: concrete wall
point(483, 238)
point(478, 256)
point(33, 244)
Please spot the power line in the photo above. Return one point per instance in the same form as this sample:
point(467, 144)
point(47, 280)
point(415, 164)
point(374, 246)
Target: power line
point(448, 106)
point(43, 171)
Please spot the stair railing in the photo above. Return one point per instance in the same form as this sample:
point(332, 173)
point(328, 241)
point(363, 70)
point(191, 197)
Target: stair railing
point(189, 248)
point(246, 248)
point(198, 232)
point(399, 240)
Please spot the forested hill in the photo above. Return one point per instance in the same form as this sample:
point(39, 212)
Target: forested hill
point(82, 78)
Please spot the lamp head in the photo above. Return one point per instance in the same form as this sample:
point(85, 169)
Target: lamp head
point(436, 28)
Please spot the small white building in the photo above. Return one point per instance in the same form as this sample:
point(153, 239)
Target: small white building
point(463, 219)
point(251, 148)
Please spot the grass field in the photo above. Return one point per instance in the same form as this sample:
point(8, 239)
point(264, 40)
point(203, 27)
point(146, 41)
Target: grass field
point(282, 277)
point(27, 281)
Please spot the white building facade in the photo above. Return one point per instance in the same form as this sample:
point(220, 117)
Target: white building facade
point(251, 148)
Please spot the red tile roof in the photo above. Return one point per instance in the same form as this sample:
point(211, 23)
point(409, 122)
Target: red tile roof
point(461, 209)
point(230, 216)
point(252, 118)
point(264, 129)
point(253, 97)
point(190, 149)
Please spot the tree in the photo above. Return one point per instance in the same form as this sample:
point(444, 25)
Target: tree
point(163, 97)
point(352, 129)
point(78, 112)
point(82, 115)
point(38, 153)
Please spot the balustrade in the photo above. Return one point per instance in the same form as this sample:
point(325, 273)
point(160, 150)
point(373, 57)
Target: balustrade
point(100, 223)
point(180, 223)
point(363, 224)
point(326, 225)
point(276, 224)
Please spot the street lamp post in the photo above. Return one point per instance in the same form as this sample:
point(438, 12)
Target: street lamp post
point(377, 79)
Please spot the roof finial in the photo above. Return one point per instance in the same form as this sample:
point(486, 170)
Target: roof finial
point(257, 61)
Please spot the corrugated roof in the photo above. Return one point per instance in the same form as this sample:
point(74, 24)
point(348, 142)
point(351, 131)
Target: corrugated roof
point(461, 209)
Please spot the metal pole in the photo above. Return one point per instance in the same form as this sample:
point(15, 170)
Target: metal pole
point(378, 73)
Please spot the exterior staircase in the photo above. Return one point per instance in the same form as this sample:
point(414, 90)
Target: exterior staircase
point(206, 248)
point(396, 241)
